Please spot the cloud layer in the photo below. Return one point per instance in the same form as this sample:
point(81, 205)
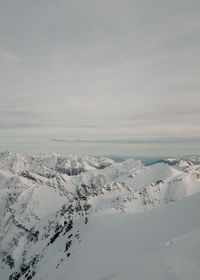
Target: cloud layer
point(116, 71)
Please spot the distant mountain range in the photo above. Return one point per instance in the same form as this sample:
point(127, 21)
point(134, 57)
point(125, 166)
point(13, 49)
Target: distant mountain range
point(195, 159)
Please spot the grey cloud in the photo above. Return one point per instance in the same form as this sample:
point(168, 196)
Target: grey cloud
point(9, 56)
point(77, 69)
point(138, 141)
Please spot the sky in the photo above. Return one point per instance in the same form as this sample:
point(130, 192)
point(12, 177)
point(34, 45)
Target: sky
point(100, 77)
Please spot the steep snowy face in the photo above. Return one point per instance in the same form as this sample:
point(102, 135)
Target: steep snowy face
point(47, 203)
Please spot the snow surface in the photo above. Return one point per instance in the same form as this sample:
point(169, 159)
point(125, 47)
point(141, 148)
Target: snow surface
point(80, 217)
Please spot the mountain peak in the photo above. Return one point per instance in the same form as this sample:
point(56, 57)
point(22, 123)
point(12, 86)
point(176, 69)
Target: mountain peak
point(53, 206)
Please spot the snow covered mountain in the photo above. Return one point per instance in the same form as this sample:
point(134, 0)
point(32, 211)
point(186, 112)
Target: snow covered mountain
point(80, 217)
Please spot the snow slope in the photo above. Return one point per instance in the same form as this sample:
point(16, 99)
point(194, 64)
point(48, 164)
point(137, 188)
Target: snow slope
point(80, 217)
point(160, 244)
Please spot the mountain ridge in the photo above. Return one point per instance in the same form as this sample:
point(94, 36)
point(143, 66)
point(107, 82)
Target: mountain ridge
point(47, 212)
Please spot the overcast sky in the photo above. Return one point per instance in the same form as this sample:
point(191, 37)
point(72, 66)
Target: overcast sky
point(100, 77)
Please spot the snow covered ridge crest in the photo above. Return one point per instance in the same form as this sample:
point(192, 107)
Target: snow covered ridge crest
point(50, 164)
point(49, 203)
